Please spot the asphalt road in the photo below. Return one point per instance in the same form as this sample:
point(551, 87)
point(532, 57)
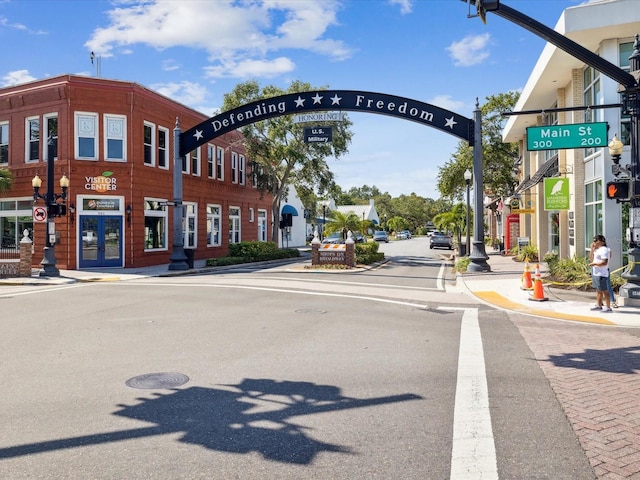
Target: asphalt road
point(275, 373)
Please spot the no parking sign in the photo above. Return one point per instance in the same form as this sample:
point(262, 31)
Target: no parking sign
point(39, 214)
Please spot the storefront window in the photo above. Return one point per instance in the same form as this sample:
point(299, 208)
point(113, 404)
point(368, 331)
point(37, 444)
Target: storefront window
point(15, 217)
point(190, 225)
point(593, 211)
point(554, 232)
point(155, 224)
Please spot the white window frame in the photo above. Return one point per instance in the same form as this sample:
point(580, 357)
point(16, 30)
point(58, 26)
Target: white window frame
point(234, 167)
point(28, 130)
point(45, 123)
point(211, 161)
point(115, 129)
point(262, 225)
point(149, 147)
point(163, 152)
point(164, 213)
point(220, 164)
point(241, 169)
point(214, 219)
point(195, 162)
point(86, 126)
point(190, 225)
point(4, 141)
point(235, 224)
point(251, 215)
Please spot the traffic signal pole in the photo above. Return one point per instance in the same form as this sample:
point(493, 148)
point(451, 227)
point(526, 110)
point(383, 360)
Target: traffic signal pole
point(629, 88)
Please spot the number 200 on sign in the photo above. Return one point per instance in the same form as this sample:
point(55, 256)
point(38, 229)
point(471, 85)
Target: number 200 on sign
point(551, 144)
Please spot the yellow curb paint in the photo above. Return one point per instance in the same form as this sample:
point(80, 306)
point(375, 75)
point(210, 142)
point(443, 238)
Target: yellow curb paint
point(500, 301)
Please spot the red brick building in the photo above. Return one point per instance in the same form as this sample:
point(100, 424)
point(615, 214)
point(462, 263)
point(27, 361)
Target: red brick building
point(115, 142)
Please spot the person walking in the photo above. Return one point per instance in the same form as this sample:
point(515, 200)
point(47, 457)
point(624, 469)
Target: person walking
point(599, 263)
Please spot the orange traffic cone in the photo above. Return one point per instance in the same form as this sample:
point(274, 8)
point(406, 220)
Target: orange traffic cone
point(538, 291)
point(526, 282)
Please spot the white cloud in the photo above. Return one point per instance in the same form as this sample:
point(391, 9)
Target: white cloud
point(238, 37)
point(16, 77)
point(406, 6)
point(187, 93)
point(471, 50)
point(251, 68)
point(446, 102)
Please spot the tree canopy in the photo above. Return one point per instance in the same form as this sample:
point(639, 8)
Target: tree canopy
point(277, 151)
point(6, 180)
point(498, 157)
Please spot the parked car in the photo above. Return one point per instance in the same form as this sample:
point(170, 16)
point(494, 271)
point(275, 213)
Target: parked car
point(358, 237)
point(403, 235)
point(380, 236)
point(440, 240)
point(407, 233)
point(335, 237)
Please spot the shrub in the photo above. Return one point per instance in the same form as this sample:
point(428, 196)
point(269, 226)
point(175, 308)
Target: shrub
point(529, 251)
point(462, 264)
point(574, 271)
point(246, 252)
point(367, 253)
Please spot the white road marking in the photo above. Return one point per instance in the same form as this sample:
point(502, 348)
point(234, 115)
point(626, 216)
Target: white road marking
point(473, 455)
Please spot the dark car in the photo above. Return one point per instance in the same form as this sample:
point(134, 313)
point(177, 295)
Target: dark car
point(440, 240)
point(380, 236)
point(335, 237)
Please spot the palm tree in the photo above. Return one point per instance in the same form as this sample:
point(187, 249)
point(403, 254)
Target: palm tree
point(339, 221)
point(452, 221)
point(6, 180)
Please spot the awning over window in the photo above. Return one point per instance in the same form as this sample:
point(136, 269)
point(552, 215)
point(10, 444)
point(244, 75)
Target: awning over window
point(548, 169)
point(290, 209)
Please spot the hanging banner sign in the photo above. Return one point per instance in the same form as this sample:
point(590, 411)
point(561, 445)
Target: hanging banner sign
point(556, 193)
point(318, 117)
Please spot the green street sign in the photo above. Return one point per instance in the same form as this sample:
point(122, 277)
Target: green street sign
point(575, 135)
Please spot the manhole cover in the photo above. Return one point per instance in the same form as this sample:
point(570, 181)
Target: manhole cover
point(157, 380)
point(311, 311)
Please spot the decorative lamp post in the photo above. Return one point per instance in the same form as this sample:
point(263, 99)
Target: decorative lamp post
point(54, 209)
point(467, 178)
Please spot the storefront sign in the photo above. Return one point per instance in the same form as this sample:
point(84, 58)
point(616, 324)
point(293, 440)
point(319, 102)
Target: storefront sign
point(101, 204)
point(332, 254)
point(556, 194)
point(104, 182)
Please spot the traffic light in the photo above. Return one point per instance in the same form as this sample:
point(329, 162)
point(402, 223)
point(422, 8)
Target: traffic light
point(619, 190)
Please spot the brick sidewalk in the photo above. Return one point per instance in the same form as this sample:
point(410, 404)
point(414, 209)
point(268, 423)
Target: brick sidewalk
point(594, 372)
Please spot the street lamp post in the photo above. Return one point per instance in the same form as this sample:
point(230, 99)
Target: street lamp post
point(467, 179)
point(54, 209)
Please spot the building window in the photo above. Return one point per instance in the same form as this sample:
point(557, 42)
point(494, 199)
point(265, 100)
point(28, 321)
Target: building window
point(211, 149)
point(33, 139)
point(251, 215)
point(155, 224)
point(51, 123)
point(115, 140)
point(554, 232)
point(551, 119)
point(16, 216)
point(262, 225)
point(195, 162)
point(234, 225)
point(593, 211)
point(163, 148)
point(4, 143)
point(190, 225)
point(214, 225)
point(234, 167)
point(86, 136)
point(149, 144)
point(220, 164)
point(241, 169)
point(592, 95)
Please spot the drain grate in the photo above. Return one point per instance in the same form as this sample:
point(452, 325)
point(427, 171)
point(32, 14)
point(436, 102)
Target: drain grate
point(311, 311)
point(157, 380)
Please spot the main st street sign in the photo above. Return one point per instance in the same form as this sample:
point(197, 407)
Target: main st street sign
point(576, 135)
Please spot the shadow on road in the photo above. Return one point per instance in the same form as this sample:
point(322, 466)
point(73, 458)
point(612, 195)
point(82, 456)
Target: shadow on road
point(616, 360)
point(255, 416)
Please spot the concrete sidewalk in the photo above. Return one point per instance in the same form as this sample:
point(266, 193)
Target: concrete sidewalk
point(502, 288)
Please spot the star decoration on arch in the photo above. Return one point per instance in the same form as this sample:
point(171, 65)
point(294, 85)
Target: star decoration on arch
point(450, 122)
point(299, 101)
point(198, 134)
point(317, 99)
point(335, 100)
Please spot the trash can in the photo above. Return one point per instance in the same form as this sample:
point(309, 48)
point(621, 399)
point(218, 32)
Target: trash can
point(462, 249)
point(190, 253)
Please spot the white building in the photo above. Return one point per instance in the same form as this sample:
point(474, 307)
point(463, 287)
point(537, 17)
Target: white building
point(605, 27)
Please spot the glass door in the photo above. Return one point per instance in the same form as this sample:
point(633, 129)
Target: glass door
point(100, 241)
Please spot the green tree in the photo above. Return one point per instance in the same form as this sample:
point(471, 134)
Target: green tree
point(279, 156)
point(6, 180)
point(498, 157)
point(453, 220)
point(339, 221)
point(396, 224)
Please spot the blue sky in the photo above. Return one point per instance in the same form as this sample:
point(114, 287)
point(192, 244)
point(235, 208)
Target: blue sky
point(195, 51)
